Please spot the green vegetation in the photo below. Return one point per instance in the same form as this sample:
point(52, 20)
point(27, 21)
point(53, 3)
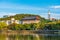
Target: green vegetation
point(17, 16)
point(3, 25)
point(22, 26)
point(54, 25)
point(37, 26)
point(44, 24)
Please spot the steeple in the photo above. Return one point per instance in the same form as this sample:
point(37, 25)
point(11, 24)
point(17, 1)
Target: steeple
point(49, 14)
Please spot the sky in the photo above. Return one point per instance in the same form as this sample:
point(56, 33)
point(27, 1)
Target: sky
point(39, 7)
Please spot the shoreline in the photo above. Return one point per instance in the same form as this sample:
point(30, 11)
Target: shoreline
point(14, 32)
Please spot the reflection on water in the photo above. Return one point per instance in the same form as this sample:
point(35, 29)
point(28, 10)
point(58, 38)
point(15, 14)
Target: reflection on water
point(28, 37)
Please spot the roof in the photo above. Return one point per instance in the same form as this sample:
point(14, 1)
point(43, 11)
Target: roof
point(30, 18)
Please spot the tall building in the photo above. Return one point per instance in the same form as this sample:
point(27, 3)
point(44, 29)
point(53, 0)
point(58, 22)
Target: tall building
point(49, 14)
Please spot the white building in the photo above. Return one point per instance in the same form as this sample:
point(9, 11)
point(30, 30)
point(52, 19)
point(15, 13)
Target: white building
point(11, 21)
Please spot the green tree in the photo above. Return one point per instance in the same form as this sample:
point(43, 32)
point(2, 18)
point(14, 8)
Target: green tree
point(3, 25)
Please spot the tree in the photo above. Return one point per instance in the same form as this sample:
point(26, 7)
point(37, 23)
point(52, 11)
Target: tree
point(3, 25)
point(13, 26)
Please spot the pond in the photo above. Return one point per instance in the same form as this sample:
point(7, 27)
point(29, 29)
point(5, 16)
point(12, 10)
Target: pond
point(29, 37)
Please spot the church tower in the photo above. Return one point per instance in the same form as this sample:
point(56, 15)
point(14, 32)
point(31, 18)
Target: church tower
point(49, 14)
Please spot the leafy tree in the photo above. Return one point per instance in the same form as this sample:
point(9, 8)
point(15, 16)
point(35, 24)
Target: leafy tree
point(13, 26)
point(3, 25)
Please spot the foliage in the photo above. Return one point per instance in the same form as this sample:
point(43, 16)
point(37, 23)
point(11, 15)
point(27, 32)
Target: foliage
point(3, 25)
point(22, 26)
point(43, 24)
point(35, 26)
point(54, 25)
point(17, 16)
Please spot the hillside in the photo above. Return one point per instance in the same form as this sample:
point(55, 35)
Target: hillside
point(43, 24)
point(17, 16)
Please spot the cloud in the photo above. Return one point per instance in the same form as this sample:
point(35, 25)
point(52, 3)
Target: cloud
point(5, 13)
point(44, 15)
point(53, 15)
point(55, 7)
point(19, 7)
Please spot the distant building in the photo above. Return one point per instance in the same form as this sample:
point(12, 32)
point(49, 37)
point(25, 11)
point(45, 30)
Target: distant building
point(29, 20)
point(53, 19)
point(11, 21)
point(49, 14)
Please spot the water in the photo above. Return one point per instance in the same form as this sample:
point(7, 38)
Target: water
point(29, 37)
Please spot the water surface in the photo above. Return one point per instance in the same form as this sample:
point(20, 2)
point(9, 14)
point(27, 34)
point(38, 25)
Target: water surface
point(29, 37)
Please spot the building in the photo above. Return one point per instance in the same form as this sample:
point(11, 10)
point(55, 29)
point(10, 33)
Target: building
point(12, 20)
point(31, 19)
point(49, 14)
point(53, 19)
point(26, 20)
